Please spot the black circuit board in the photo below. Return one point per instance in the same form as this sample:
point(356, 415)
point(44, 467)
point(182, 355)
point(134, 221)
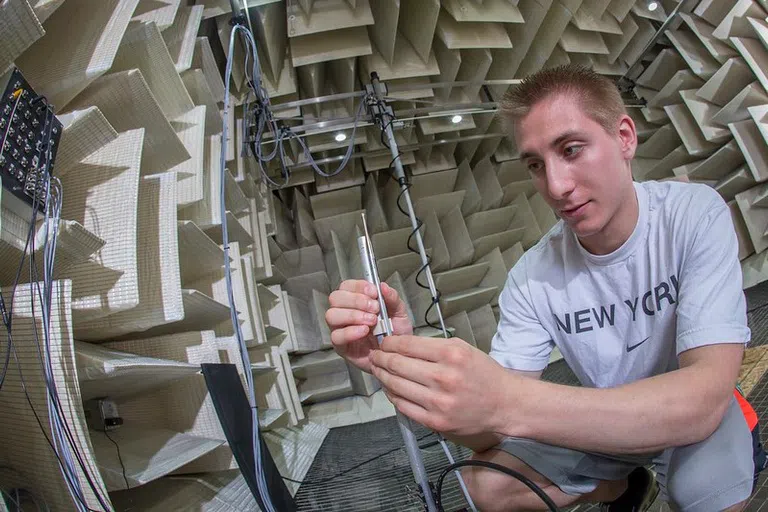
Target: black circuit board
point(29, 139)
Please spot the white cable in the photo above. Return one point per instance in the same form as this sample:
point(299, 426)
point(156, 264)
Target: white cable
point(279, 135)
point(50, 238)
point(260, 480)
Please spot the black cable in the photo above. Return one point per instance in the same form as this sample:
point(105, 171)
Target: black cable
point(50, 386)
point(498, 467)
point(119, 457)
point(356, 466)
point(40, 424)
point(406, 185)
point(7, 313)
point(15, 501)
point(7, 321)
point(53, 392)
point(18, 501)
point(7, 318)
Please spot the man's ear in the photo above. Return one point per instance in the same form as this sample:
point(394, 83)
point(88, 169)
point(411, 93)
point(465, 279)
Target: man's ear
point(627, 137)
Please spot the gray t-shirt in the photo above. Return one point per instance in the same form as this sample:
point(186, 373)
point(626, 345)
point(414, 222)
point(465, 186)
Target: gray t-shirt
point(674, 285)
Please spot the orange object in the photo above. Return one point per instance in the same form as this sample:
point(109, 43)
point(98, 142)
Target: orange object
point(749, 413)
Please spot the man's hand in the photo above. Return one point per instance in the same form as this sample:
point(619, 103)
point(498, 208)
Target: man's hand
point(353, 316)
point(446, 385)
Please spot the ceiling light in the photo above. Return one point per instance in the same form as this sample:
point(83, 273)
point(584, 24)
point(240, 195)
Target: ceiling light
point(652, 6)
point(340, 137)
point(456, 119)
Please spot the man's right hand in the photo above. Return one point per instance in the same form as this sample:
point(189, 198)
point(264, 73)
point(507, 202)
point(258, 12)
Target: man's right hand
point(353, 315)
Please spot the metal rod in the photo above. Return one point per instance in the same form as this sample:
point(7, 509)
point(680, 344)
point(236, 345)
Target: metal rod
point(325, 125)
point(374, 269)
point(371, 273)
point(410, 114)
point(396, 89)
point(399, 174)
point(409, 147)
point(317, 99)
point(248, 17)
point(438, 85)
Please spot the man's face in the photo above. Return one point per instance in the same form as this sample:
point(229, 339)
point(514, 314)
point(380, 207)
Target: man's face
point(582, 171)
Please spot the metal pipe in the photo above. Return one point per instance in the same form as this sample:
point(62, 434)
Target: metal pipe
point(399, 174)
point(371, 274)
point(400, 88)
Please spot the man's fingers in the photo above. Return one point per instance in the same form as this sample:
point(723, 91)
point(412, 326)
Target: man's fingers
point(353, 300)
point(414, 411)
point(415, 392)
point(416, 370)
point(342, 317)
point(358, 294)
point(419, 347)
point(358, 286)
point(391, 298)
point(341, 337)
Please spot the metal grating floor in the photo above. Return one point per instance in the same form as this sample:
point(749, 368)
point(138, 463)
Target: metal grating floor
point(365, 468)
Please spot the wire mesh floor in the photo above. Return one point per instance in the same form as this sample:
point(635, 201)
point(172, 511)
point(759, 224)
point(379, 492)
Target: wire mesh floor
point(365, 467)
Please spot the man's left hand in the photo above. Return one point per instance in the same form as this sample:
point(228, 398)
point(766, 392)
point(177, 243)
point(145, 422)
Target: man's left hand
point(447, 385)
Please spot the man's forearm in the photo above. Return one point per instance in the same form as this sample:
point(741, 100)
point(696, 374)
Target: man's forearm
point(673, 409)
point(487, 440)
point(477, 443)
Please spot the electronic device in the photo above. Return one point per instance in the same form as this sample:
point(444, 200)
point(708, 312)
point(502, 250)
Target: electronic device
point(101, 414)
point(30, 138)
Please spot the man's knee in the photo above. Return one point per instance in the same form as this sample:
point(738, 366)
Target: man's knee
point(738, 507)
point(716, 473)
point(703, 488)
point(493, 490)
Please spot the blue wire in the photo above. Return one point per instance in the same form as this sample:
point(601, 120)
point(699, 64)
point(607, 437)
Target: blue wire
point(260, 480)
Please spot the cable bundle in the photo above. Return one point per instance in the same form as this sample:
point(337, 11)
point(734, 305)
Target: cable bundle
point(260, 116)
point(62, 440)
point(260, 478)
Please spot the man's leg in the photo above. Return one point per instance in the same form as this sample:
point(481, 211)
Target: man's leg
point(565, 475)
point(714, 475)
point(493, 490)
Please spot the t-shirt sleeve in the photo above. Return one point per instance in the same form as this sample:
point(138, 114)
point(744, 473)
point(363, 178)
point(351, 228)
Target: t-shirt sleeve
point(520, 342)
point(711, 303)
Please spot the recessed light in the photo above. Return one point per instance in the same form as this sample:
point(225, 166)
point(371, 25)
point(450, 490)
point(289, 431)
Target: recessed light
point(652, 6)
point(456, 119)
point(340, 137)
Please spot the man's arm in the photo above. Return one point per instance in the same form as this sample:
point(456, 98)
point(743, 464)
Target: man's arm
point(649, 415)
point(450, 386)
point(487, 440)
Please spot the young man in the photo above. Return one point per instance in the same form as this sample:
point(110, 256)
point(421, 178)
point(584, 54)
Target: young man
point(639, 285)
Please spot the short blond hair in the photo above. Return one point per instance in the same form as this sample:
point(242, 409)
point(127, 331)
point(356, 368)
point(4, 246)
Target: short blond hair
point(598, 96)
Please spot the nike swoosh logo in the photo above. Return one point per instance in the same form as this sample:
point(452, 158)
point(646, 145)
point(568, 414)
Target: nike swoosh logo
point(633, 347)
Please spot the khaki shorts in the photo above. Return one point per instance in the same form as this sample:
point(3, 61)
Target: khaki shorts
point(711, 475)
